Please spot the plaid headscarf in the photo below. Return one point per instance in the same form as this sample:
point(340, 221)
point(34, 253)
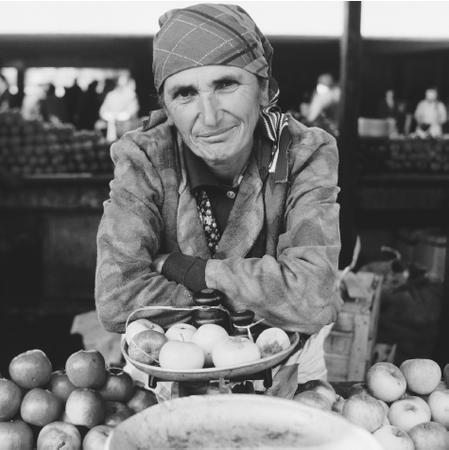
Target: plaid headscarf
point(210, 34)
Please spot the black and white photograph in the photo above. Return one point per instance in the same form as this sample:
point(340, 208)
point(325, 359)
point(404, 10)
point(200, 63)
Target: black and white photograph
point(224, 225)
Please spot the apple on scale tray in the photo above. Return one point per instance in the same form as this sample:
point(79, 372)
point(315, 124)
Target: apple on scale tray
point(259, 369)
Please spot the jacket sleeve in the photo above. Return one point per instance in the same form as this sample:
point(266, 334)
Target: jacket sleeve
point(129, 236)
point(295, 290)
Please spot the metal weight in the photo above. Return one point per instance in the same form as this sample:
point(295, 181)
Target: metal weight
point(208, 297)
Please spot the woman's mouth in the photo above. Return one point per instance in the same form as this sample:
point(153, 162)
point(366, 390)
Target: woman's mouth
point(214, 135)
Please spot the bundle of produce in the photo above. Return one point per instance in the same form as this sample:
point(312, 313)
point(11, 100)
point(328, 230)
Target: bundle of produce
point(73, 408)
point(406, 407)
point(405, 155)
point(31, 147)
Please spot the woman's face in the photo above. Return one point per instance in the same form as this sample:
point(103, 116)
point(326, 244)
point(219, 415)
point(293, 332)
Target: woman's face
point(216, 109)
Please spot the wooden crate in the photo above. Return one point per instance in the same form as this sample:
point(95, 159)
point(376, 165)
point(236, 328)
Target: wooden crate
point(350, 345)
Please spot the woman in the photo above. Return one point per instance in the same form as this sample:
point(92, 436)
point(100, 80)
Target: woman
point(219, 189)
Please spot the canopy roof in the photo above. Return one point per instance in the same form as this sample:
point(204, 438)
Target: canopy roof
point(380, 19)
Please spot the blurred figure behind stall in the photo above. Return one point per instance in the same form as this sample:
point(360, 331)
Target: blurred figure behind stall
point(404, 118)
point(395, 110)
point(53, 108)
point(89, 110)
point(388, 107)
point(120, 108)
point(72, 100)
point(430, 115)
point(323, 110)
point(4, 93)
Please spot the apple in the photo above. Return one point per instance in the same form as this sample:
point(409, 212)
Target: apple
point(139, 325)
point(119, 386)
point(393, 438)
point(322, 387)
point(385, 381)
point(142, 399)
point(407, 413)
point(116, 412)
point(314, 399)
point(234, 351)
point(40, 407)
point(60, 435)
point(179, 355)
point(365, 411)
point(438, 402)
point(86, 369)
point(441, 386)
point(430, 436)
point(145, 346)
point(358, 388)
point(272, 340)
point(10, 399)
point(422, 375)
point(96, 437)
point(60, 385)
point(85, 407)
point(16, 435)
point(30, 369)
point(180, 332)
point(206, 336)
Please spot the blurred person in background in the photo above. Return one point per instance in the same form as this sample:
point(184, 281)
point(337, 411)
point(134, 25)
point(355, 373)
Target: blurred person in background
point(404, 118)
point(89, 107)
point(221, 190)
point(388, 107)
point(430, 115)
point(4, 93)
point(31, 106)
point(72, 99)
point(120, 108)
point(323, 109)
point(396, 110)
point(52, 107)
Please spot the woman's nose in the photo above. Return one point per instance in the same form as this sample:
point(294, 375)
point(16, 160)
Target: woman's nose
point(209, 110)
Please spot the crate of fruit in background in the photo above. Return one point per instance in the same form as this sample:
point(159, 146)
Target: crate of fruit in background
point(404, 155)
point(33, 147)
point(349, 347)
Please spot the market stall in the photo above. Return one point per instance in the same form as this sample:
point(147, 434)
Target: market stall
point(229, 385)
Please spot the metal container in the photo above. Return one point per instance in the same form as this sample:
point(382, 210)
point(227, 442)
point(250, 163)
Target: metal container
point(238, 421)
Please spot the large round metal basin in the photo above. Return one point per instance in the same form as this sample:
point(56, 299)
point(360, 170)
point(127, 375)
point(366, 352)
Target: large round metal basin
point(238, 421)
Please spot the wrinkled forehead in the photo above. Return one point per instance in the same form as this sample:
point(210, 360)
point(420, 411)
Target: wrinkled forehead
point(207, 76)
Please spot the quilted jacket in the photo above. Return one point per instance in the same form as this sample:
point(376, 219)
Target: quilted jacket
point(152, 211)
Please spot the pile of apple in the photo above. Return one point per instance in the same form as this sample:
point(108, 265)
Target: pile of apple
point(31, 147)
point(185, 347)
point(404, 155)
point(72, 409)
point(406, 407)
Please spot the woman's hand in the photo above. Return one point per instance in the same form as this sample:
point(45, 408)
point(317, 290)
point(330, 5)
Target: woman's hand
point(158, 262)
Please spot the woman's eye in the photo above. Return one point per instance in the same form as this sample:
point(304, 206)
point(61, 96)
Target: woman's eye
point(184, 94)
point(227, 84)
